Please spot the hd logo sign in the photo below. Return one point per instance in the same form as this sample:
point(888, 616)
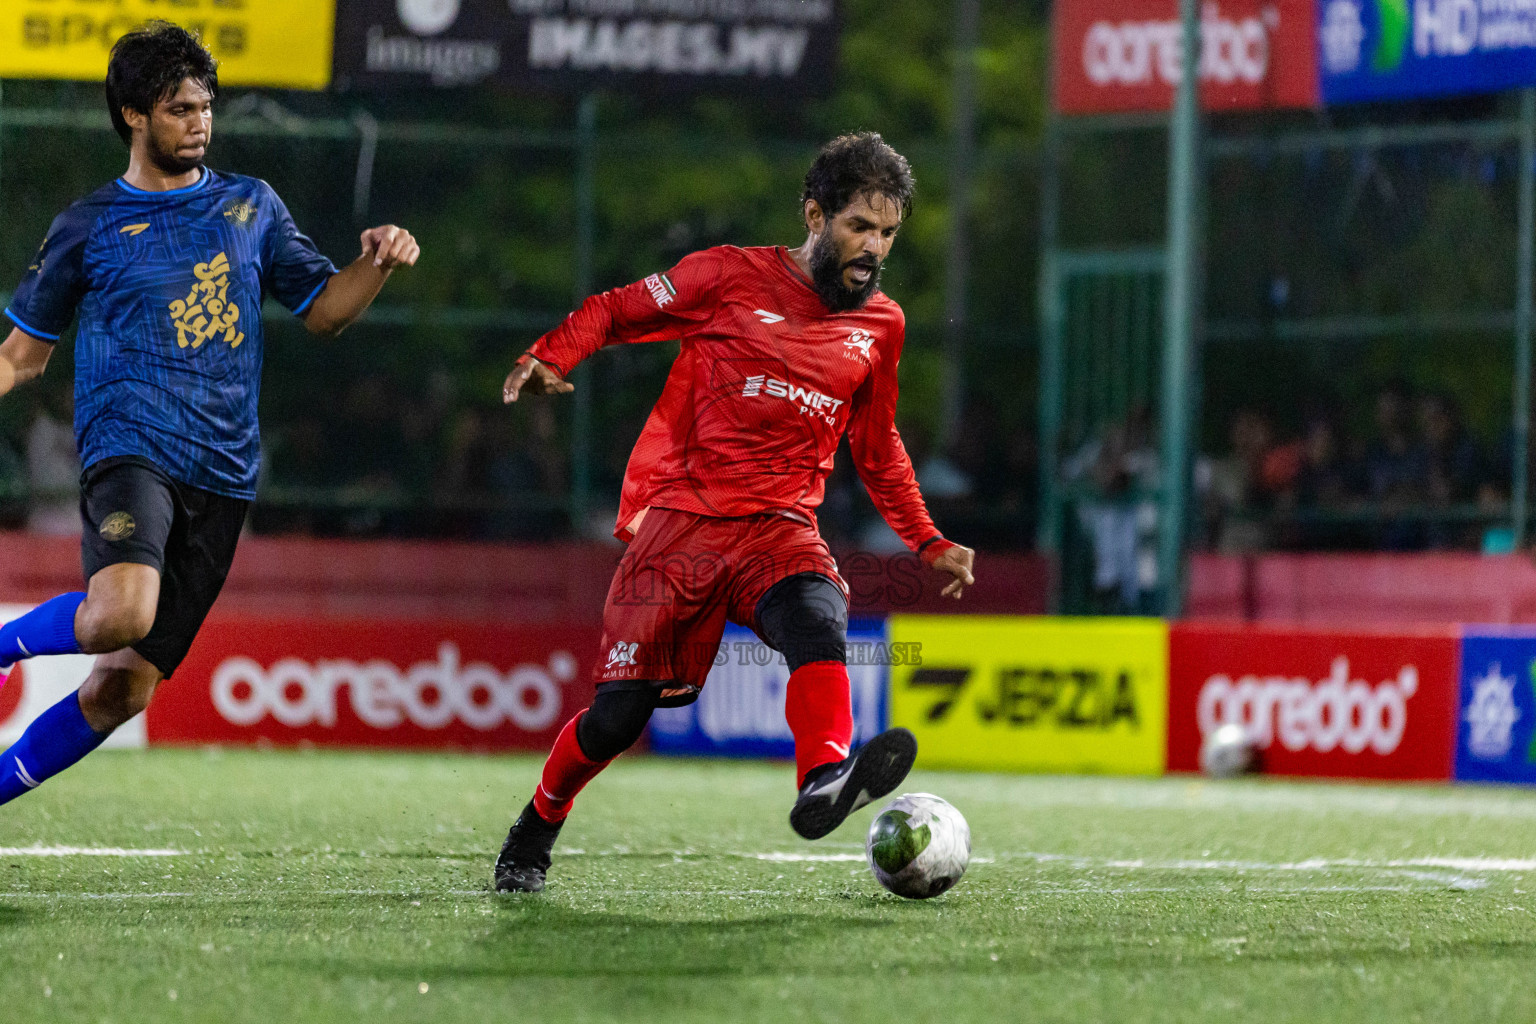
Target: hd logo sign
point(1045, 694)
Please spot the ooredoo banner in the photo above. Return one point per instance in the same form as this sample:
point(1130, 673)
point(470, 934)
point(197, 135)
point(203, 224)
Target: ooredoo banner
point(1126, 55)
point(379, 684)
point(740, 711)
point(1317, 702)
point(1004, 693)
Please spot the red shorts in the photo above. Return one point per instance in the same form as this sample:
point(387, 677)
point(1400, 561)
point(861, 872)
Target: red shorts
point(683, 576)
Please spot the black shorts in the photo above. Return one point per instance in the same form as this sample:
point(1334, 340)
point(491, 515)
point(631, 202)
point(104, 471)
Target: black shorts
point(136, 514)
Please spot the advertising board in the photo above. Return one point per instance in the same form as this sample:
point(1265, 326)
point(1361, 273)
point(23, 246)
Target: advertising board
point(996, 693)
point(740, 711)
point(1114, 56)
point(1347, 704)
point(1403, 49)
point(479, 686)
point(1496, 712)
point(280, 43)
point(769, 46)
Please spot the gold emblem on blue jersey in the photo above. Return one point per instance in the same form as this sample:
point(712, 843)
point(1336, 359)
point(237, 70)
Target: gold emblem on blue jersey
point(206, 313)
point(239, 211)
point(134, 230)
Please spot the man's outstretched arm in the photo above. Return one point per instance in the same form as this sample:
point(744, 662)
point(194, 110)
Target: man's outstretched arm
point(660, 308)
point(352, 290)
point(22, 358)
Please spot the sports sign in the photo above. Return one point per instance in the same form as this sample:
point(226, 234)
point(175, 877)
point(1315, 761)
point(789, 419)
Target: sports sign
point(740, 711)
point(280, 43)
point(996, 693)
point(1125, 55)
point(1317, 702)
point(379, 684)
point(1400, 49)
point(575, 45)
point(1496, 716)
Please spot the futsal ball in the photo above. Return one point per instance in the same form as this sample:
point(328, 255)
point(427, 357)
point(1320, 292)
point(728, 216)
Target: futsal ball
point(1228, 752)
point(919, 846)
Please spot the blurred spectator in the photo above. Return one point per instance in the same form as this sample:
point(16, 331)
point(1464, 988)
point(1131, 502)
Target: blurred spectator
point(1232, 487)
point(1396, 468)
point(1327, 478)
point(1116, 476)
point(1328, 483)
point(1454, 463)
point(1397, 472)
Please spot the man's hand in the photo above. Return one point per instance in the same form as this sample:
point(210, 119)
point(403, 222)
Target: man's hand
point(957, 561)
point(390, 247)
point(534, 377)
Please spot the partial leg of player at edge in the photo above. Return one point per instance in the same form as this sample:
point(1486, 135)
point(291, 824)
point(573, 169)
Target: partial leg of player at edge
point(166, 407)
point(803, 617)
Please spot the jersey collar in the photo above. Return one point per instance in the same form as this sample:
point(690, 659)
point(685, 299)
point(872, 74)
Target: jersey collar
point(201, 182)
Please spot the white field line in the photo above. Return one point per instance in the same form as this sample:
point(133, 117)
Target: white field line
point(83, 851)
point(419, 895)
point(1310, 800)
point(1313, 864)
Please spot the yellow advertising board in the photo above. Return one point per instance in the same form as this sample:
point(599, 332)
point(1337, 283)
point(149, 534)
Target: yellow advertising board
point(1009, 693)
point(280, 43)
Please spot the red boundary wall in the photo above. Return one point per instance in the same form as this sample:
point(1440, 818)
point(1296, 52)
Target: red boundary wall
point(297, 577)
point(1366, 589)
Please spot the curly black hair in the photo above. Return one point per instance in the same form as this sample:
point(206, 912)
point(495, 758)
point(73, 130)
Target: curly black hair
point(150, 64)
point(861, 163)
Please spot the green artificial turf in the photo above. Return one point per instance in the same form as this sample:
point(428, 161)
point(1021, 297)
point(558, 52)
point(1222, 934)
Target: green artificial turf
point(318, 886)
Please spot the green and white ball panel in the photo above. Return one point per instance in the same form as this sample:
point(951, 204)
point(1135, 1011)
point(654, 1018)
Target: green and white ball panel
point(918, 846)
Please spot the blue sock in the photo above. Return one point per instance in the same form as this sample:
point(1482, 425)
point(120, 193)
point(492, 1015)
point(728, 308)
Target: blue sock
point(56, 739)
point(47, 629)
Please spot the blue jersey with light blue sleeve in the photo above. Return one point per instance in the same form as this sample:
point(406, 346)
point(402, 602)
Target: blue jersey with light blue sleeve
point(168, 287)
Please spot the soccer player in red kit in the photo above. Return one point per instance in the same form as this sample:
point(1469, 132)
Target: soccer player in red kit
point(783, 351)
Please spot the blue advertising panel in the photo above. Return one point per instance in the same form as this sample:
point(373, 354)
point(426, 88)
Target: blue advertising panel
point(1496, 720)
point(1402, 49)
point(740, 712)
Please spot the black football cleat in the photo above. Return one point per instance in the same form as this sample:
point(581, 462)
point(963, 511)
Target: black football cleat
point(835, 791)
point(525, 855)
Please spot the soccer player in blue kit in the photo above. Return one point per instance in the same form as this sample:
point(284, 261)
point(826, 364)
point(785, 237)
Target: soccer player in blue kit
point(166, 268)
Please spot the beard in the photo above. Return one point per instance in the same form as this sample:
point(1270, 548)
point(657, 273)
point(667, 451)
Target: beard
point(167, 162)
point(827, 277)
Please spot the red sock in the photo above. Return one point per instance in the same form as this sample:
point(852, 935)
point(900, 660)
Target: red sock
point(565, 773)
point(819, 710)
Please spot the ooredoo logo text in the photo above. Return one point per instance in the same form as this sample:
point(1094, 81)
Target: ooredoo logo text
point(428, 694)
point(1139, 53)
point(1337, 712)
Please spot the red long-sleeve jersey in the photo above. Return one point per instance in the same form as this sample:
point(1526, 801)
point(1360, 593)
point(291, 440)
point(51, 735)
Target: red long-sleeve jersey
point(765, 385)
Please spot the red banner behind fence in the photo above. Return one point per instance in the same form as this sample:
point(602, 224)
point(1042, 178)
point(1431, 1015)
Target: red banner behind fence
point(1124, 55)
point(1348, 705)
point(377, 684)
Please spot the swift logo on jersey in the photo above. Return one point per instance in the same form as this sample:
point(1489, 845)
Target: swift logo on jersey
point(809, 401)
point(661, 289)
point(206, 312)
